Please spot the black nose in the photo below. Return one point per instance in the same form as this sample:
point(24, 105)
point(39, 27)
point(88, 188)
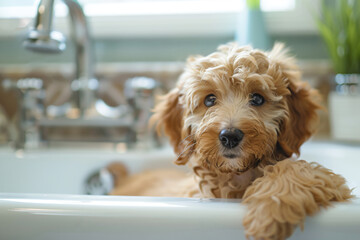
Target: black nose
point(231, 137)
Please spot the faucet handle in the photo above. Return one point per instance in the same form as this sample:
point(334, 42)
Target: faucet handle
point(24, 84)
point(142, 86)
point(139, 92)
point(30, 93)
point(140, 95)
point(30, 108)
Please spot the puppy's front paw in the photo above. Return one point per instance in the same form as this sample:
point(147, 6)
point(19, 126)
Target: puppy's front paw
point(261, 224)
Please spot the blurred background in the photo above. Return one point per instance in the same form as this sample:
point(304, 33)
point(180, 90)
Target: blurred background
point(162, 30)
point(143, 44)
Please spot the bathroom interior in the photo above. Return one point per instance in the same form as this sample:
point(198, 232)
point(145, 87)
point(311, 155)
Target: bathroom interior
point(78, 81)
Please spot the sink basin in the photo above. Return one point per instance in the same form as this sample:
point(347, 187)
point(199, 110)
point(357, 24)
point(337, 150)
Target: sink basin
point(42, 197)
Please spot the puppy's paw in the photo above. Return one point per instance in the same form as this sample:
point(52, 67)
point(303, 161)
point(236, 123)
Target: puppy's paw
point(260, 225)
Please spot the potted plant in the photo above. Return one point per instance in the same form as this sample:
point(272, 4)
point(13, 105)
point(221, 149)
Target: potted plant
point(339, 26)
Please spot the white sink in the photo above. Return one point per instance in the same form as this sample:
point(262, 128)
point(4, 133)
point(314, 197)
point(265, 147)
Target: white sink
point(41, 198)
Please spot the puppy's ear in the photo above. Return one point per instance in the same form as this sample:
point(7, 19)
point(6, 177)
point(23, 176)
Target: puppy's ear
point(301, 104)
point(168, 116)
point(302, 117)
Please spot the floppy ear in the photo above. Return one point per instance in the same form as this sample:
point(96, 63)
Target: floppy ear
point(301, 104)
point(302, 117)
point(168, 115)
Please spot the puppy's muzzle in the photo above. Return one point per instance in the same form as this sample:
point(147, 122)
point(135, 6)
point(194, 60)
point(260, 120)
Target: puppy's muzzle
point(230, 137)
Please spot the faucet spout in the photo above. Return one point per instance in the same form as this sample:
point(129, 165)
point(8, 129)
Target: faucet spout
point(41, 38)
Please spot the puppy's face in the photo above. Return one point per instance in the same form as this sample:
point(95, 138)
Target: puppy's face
point(235, 109)
point(234, 116)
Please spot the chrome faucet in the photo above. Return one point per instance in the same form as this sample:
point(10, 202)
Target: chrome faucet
point(41, 38)
point(30, 104)
point(83, 109)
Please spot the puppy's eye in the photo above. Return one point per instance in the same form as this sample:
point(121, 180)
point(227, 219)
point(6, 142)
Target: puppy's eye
point(256, 99)
point(210, 100)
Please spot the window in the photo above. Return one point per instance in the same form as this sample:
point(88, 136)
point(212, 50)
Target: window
point(171, 18)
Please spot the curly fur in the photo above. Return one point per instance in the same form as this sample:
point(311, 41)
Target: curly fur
point(278, 191)
point(286, 194)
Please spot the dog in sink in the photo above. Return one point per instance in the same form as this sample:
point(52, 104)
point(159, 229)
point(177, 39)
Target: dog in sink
point(236, 118)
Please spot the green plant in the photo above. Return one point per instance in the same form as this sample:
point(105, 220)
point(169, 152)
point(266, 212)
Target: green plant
point(339, 25)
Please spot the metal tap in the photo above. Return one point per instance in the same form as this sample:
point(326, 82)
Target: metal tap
point(130, 118)
point(29, 110)
point(41, 38)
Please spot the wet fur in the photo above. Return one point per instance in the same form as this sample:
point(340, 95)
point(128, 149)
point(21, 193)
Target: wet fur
point(278, 190)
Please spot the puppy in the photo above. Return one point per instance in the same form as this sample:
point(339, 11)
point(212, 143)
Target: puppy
point(236, 118)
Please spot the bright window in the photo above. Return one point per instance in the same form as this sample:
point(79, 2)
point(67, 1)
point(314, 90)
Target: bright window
point(20, 8)
point(171, 18)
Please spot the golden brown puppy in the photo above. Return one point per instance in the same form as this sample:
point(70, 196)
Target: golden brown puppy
point(235, 118)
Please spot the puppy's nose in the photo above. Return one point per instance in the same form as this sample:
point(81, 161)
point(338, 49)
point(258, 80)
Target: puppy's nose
point(230, 137)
